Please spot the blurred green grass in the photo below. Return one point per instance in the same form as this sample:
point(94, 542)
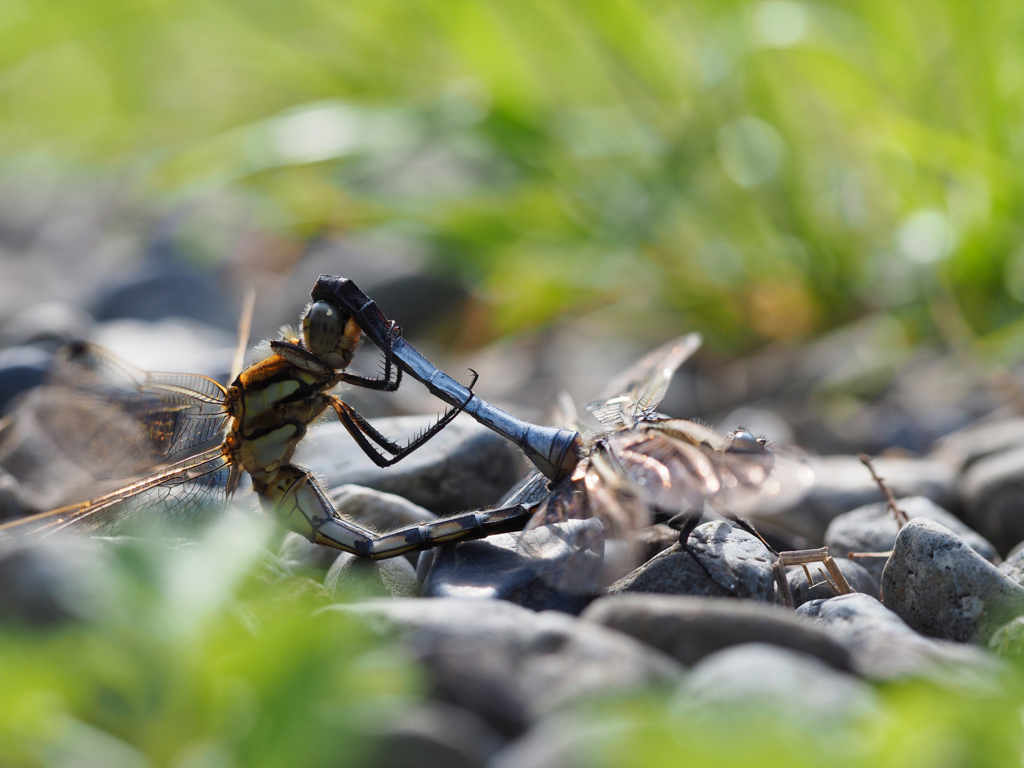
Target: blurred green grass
point(756, 171)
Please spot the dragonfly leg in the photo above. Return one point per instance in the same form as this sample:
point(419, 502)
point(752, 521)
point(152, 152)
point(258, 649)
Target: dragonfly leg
point(363, 432)
point(383, 383)
point(301, 504)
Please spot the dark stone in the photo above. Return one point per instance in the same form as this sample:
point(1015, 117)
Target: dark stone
point(859, 579)
point(555, 567)
point(512, 666)
point(356, 578)
point(755, 677)
point(466, 466)
point(718, 561)
point(843, 483)
point(434, 735)
point(690, 628)
point(21, 369)
point(883, 647)
point(966, 446)
point(872, 528)
point(993, 494)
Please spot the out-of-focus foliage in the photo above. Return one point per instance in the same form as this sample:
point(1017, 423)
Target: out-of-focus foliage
point(203, 656)
point(914, 724)
point(207, 655)
point(763, 169)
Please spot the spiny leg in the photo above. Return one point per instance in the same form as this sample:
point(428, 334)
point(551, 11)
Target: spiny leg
point(384, 383)
point(360, 429)
point(301, 504)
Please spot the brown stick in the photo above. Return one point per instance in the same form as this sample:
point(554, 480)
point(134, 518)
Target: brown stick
point(899, 514)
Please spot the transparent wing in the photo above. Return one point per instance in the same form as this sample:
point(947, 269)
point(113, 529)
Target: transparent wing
point(670, 475)
point(641, 388)
point(181, 496)
point(118, 421)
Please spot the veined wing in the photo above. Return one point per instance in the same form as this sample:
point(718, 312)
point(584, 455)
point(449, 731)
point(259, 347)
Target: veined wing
point(670, 475)
point(116, 420)
point(183, 494)
point(641, 388)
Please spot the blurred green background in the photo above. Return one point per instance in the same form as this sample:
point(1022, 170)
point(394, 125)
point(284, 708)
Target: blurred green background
point(756, 171)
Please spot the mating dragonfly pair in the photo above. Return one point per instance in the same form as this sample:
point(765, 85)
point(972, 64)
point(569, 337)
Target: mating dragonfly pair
point(203, 436)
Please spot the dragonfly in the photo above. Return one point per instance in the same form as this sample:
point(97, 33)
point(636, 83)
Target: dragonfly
point(639, 462)
point(637, 465)
point(203, 436)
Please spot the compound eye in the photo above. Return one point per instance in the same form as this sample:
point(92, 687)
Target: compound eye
point(322, 328)
point(742, 441)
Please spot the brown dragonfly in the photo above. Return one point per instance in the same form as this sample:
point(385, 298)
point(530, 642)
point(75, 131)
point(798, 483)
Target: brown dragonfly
point(202, 436)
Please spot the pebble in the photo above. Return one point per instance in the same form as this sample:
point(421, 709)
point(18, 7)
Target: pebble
point(843, 483)
point(1008, 641)
point(52, 580)
point(155, 292)
point(466, 466)
point(718, 561)
point(563, 740)
point(757, 677)
point(434, 735)
point(541, 569)
point(46, 325)
point(512, 666)
point(872, 528)
point(993, 494)
point(301, 556)
point(21, 369)
point(943, 588)
point(966, 446)
point(358, 578)
point(884, 647)
point(1013, 566)
point(690, 628)
point(858, 577)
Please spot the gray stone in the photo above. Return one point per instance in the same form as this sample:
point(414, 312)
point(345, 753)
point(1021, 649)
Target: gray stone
point(883, 647)
point(466, 466)
point(1008, 640)
point(378, 510)
point(993, 494)
point(356, 578)
point(512, 666)
point(655, 539)
point(872, 528)
point(47, 324)
point(943, 588)
point(299, 555)
point(47, 581)
point(718, 561)
point(21, 368)
point(979, 440)
point(433, 735)
point(563, 740)
point(1013, 566)
point(802, 590)
point(756, 677)
point(689, 628)
point(843, 483)
point(555, 567)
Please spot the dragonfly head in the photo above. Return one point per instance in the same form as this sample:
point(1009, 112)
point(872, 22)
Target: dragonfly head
point(330, 333)
point(744, 441)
